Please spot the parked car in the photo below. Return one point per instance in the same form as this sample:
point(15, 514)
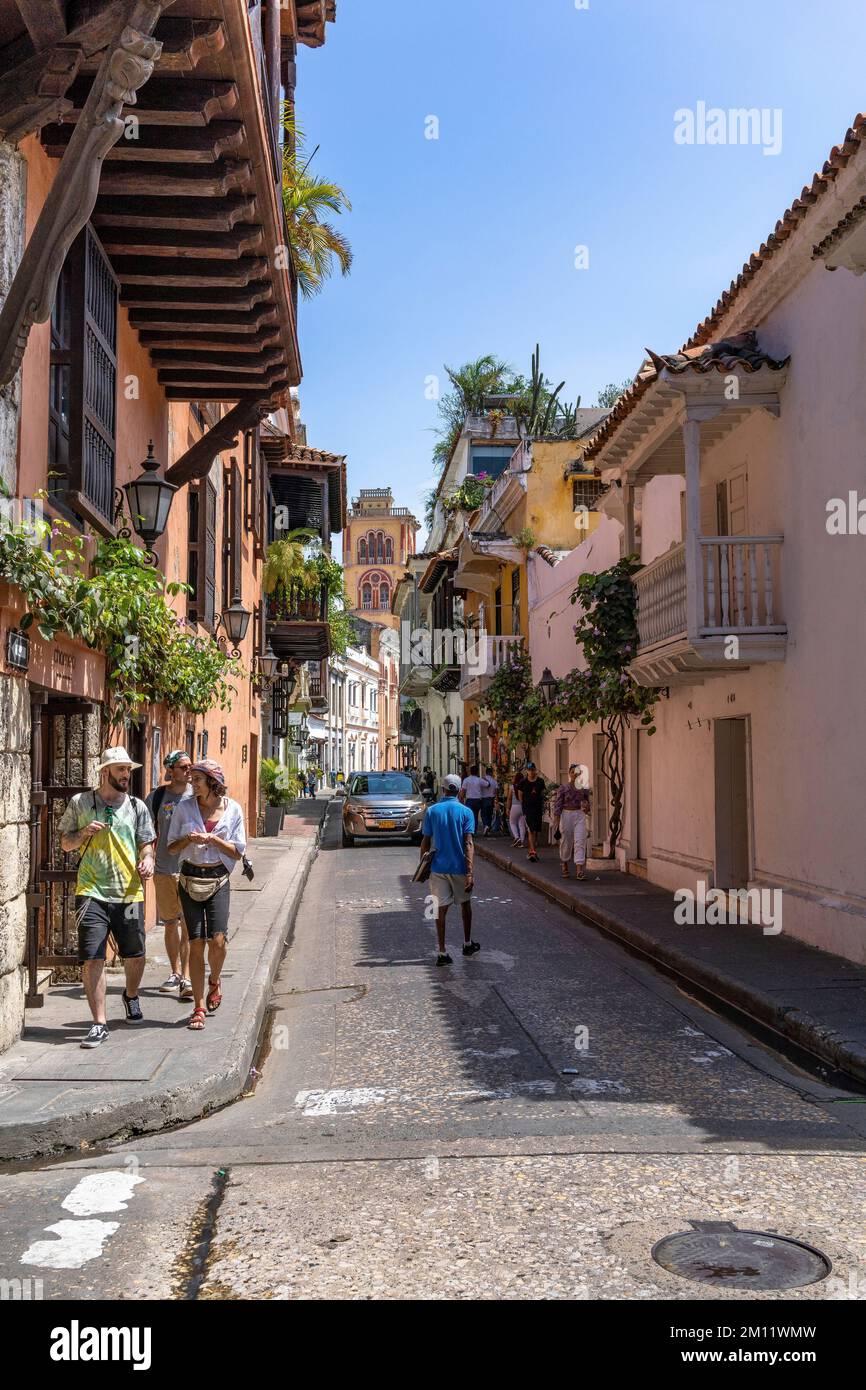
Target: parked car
point(383, 805)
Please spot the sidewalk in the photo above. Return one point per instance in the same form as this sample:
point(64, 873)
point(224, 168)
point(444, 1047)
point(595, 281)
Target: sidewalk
point(814, 999)
point(55, 1095)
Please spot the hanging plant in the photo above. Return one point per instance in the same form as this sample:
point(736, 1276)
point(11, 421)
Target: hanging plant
point(121, 610)
point(605, 692)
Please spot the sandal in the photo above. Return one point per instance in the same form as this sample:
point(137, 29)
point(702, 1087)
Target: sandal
point(565, 873)
point(581, 874)
point(214, 996)
point(196, 1023)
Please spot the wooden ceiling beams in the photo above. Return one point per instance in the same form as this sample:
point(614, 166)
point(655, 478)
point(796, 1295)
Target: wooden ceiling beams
point(189, 212)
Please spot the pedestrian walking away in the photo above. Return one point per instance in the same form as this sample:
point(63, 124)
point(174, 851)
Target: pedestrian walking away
point(514, 811)
point(472, 792)
point(161, 804)
point(449, 827)
point(207, 832)
point(115, 835)
point(571, 819)
point(489, 791)
point(533, 794)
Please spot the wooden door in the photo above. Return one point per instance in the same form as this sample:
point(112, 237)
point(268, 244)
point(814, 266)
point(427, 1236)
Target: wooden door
point(600, 792)
point(644, 796)
point(731, 804)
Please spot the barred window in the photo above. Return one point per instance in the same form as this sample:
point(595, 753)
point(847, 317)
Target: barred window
point(585, 492)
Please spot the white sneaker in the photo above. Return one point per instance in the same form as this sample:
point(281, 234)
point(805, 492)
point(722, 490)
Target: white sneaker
point(170, 985)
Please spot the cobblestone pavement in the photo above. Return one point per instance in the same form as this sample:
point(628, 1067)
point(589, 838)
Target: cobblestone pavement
point(524, 1124)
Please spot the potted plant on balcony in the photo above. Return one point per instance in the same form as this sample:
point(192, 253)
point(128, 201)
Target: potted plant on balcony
point(285, 569)
point(280, 788)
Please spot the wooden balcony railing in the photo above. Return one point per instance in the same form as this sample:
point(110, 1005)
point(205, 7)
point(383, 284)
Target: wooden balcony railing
point(296, 604)
point(737, 591)
point(740, 584)
point(661, 598)
point(484, 658)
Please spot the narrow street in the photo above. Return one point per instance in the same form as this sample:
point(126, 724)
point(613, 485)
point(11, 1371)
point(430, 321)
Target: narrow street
point(524, 1124)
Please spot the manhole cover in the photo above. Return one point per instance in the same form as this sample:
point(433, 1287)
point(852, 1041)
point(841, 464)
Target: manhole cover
point(715, 1252)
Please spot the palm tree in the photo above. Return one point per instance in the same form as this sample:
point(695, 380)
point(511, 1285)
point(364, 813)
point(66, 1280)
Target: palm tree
point(485, 376)
point(314, 244)
point(286, 560)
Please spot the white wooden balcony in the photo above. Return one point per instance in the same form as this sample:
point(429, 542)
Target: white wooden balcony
point(484, 657)
point(684, 634)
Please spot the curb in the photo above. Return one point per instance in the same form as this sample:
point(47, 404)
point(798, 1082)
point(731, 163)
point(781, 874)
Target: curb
point(183, 1102)
point(791, 1024)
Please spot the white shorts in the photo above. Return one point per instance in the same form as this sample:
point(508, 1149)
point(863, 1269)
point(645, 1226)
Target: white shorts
point(449, 888)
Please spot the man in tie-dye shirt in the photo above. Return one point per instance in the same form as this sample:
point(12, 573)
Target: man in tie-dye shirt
point(115, 836)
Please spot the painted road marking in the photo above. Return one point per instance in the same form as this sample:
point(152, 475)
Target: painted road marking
point(100, 1192)
point(80, 1241)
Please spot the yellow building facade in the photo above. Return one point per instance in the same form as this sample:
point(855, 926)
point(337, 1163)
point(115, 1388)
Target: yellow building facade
point(377, 543)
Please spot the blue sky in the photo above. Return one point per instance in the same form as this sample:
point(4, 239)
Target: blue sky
point(556, 130)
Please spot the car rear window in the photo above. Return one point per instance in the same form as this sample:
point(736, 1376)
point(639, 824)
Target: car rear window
point(383, 784)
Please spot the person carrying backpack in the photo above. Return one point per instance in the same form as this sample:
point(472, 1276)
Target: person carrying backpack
point(115, 836)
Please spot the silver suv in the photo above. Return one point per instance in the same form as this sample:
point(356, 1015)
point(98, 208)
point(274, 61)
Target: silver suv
point(383, 805)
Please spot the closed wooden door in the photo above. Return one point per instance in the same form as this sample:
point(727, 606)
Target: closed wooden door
point(731, 804)
point(644, 795)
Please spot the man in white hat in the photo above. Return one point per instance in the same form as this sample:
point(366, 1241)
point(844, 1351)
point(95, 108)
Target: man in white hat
point(115, 835)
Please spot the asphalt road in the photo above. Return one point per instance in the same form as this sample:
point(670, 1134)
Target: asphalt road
point(524, 1124)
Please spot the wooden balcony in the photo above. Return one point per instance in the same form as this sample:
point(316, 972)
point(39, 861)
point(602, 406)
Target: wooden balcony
point(297, 624)
point(483, 659)
point(318, 671)
point(685, 636)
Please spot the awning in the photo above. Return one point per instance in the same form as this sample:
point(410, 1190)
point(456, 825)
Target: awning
point(317, 732)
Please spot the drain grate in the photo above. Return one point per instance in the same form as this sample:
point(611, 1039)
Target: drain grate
point(716, 1252)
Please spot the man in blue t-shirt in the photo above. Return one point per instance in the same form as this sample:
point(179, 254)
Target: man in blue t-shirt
point(450, 826)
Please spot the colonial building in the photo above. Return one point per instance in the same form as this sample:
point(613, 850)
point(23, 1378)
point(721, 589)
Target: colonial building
point(377, 544)
point(148, 321)
point(737, 462)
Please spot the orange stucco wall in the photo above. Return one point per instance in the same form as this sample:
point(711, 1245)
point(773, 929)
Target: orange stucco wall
point(143, 414)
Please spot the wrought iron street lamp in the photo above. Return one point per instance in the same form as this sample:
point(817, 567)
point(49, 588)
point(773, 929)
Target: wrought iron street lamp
point(149, 500)
point(234, 620)
point(548, 687)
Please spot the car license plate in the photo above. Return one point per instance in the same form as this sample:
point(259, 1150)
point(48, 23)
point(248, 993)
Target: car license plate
point(387, 824)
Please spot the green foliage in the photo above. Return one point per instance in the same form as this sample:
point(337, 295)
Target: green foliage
point(605, 692)
point(286, 560)
point(121, 609)
point(315, 245)
point(470, 384)
point(516, 704)
point(610, 394)
point(470, 495)
point(280, 785)
point(525, 538)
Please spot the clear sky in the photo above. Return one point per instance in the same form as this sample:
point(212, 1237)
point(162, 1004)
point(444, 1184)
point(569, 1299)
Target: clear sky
point(556, 130)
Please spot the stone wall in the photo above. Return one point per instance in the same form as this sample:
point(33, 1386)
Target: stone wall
point(12, 191)
point(14, 851)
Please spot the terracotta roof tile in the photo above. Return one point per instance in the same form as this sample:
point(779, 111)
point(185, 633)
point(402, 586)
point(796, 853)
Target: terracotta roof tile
point(790, 220)
point(739, 350)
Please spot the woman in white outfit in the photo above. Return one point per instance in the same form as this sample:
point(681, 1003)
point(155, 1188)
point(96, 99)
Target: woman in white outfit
point(571, 818)
point(516, 818)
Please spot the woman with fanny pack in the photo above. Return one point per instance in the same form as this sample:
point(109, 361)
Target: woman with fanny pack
point(207, 832)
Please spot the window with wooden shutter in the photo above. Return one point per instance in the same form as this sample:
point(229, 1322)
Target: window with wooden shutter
point(207, 556)
point(83, 384)
point(237, 535)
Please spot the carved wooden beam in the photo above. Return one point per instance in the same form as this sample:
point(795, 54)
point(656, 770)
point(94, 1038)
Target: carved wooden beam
point(36, 92)
point(197, 460)
point(127, 64)
point(45, 20)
